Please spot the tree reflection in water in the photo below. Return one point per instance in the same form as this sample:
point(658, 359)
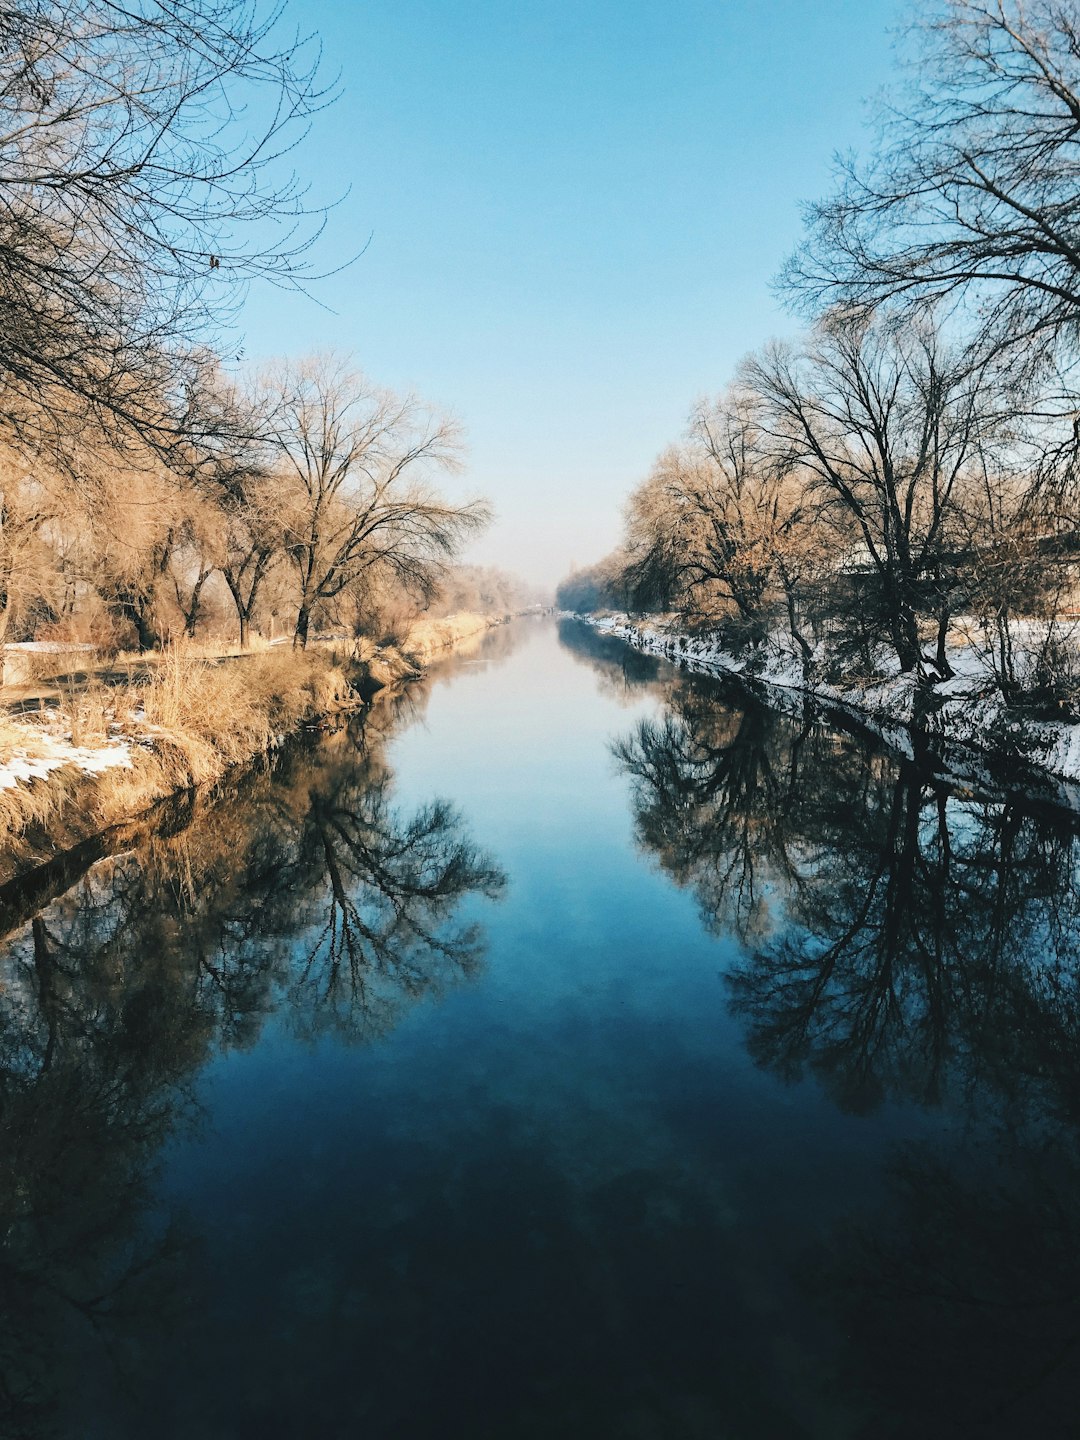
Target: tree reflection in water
point(305, 894)
point(902, 941)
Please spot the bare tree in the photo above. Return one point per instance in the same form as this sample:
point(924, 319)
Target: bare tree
point(240, 498)
point(597, 587)
point(196, 555)
point(482, 588)
point(890, 428)
point(720, 524)
point(975, 186)
point(253, 541)
point(129, 516)
point(357, 463)
point(1021, 576)
point(140, 179)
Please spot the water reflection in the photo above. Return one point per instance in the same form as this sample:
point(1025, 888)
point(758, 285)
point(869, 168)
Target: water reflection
point(305, 895)
point(903, 942)
point(620, 670)
point(900, 937)
point(567, 1201)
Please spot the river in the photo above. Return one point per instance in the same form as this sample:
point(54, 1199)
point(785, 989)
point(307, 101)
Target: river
point(579, 1048)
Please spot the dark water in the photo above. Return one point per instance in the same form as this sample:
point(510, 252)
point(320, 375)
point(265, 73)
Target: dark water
point(579, 1050)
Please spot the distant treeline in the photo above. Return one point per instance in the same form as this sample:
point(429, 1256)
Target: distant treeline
point(901, 483)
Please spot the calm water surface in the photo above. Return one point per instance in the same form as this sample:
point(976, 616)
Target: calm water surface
point(581, 1049)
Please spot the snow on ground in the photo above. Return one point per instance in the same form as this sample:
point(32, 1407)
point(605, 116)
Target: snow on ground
point(34, 748)
point(964, 709)
point(42, 753)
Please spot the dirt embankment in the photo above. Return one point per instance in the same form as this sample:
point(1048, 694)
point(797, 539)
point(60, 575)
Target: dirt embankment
point(92, 751)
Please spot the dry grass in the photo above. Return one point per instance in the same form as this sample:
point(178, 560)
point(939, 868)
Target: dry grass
point(429, 637)
point(185, 722)
point(22, 805)
point(16, 736)
point(92, 714)
point(179, 720)
point(204, 716)
point(205, 649)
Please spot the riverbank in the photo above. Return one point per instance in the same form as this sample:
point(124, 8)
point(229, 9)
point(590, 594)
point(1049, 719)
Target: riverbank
point(961, 719)
point(102, 748)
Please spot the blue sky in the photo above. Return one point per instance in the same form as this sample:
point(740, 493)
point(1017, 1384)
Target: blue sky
point(576, 208)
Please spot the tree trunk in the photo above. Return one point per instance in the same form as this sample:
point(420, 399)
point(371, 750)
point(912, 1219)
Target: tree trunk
point(945, 670)
point(243, 611)
point(905, 633)
point(247, 609)
point(793, 625)
point(6, 605)
point(1006, 667)
point(193, 609)
point(135, 609)
point(300, 635)
point(149, 639)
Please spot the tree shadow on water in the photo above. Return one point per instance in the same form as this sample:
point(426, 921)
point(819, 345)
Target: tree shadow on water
point(304, 893)
point(902, 943)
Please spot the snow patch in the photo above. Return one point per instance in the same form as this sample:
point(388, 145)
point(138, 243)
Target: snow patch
point(44, 754)
point(964, 710)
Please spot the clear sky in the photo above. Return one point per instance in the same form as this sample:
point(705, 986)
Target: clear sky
point(576, 208)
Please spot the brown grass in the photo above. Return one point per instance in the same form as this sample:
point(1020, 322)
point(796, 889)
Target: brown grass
point(187, 722)
point(428, 637)
point(187, 719)
point(89, 715)
point(22, 805)
point(204, 716)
